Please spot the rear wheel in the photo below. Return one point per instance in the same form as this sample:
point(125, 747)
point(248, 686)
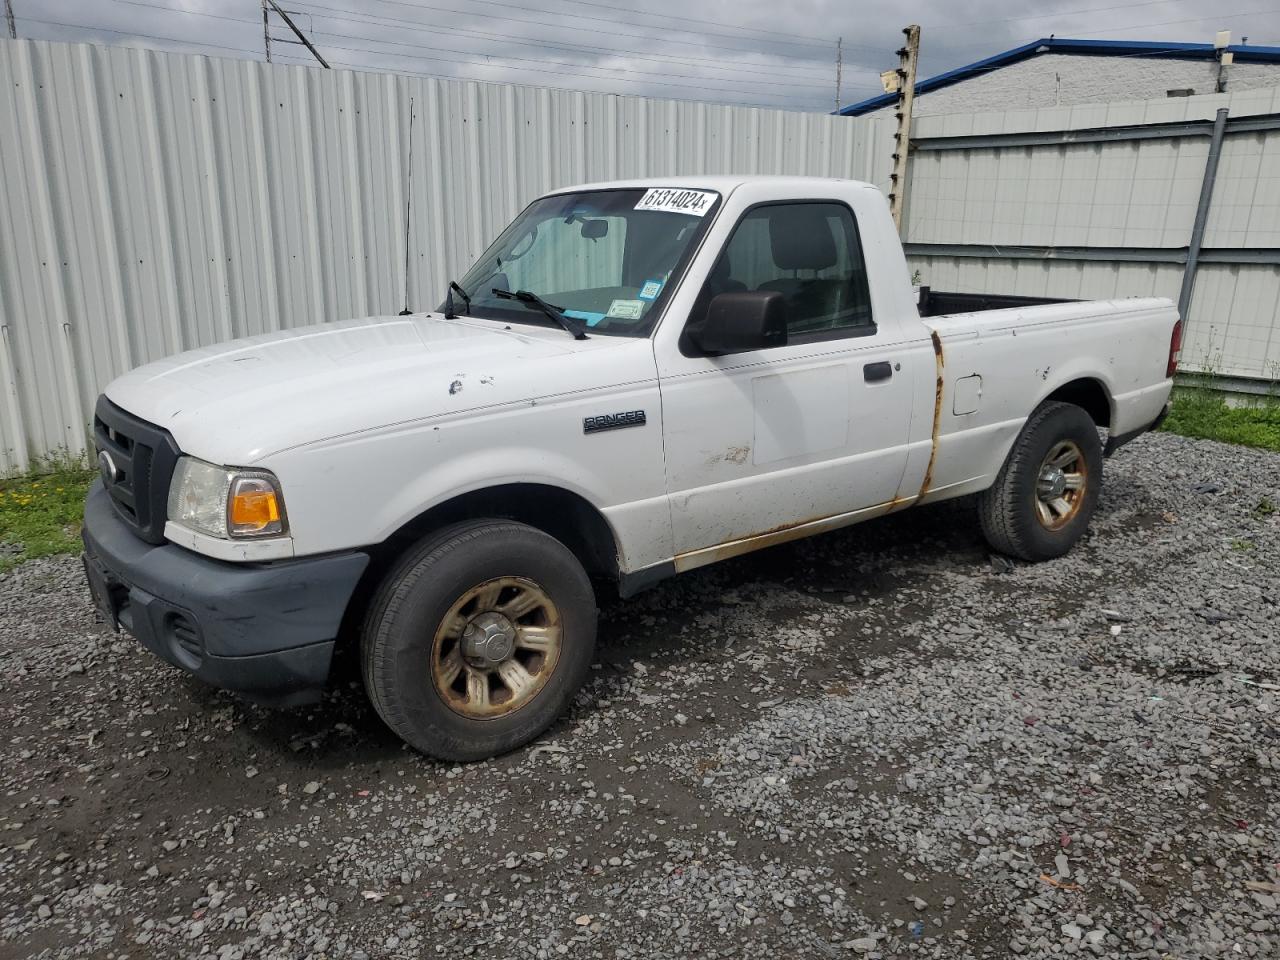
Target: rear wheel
point(478, 639)
point(1047, 490)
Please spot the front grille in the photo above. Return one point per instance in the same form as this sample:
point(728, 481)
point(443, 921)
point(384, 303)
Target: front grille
point(136, 460)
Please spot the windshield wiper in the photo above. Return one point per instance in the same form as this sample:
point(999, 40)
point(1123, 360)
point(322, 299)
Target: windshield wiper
point(535, 302)
point(449, 312)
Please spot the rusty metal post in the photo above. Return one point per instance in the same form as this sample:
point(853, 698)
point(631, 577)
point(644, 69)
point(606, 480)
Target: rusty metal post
point(907, 58)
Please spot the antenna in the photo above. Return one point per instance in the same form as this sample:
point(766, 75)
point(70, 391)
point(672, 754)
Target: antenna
point(408, 207)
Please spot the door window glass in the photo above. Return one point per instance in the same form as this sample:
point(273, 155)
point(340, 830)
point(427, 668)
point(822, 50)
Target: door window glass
point(808, 252)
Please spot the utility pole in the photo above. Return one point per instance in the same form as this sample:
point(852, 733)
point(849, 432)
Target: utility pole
point(839, 68)
point(8, 15)
point(907, 58)
point(302, 37)
point(1225, 59)
point(266, 29)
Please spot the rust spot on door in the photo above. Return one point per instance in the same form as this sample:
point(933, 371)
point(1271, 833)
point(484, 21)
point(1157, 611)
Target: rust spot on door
point(939, 364)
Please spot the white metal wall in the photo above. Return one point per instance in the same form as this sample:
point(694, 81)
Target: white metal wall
point(1133, 193)
point(153, 202)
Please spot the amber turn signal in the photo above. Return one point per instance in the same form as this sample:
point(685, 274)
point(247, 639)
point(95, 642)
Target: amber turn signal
point(254, 508)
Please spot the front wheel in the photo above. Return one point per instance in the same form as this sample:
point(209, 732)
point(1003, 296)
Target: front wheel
point(1047, 490)
point(477, 641)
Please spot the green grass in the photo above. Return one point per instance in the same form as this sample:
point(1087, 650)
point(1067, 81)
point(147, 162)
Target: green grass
point(1198, 412)
point(40, 515)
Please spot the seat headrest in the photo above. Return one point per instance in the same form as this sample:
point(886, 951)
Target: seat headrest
point(801, 238)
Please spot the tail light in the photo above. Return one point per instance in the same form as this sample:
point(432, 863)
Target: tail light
point(1175, 348)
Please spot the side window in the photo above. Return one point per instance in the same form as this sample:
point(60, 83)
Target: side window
point(808, 252)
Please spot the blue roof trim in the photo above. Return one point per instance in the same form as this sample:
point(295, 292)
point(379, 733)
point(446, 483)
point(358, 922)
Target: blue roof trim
point(1115, 48)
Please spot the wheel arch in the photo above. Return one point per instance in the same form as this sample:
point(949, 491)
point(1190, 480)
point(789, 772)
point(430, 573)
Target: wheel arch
point(560, 513)
point(1089, 394)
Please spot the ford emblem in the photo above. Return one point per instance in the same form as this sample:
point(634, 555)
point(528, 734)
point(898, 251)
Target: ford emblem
point(107, 467)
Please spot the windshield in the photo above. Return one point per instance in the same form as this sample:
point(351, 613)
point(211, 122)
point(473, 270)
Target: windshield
point(606, 258)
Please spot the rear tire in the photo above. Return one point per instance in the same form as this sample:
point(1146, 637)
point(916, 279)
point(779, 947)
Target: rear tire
point(478, 639)
point(1047, 490)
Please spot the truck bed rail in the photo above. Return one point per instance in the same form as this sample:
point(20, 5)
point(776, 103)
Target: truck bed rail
point(936, 303)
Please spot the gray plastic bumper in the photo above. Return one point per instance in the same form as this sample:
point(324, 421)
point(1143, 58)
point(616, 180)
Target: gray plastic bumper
point(266, 631)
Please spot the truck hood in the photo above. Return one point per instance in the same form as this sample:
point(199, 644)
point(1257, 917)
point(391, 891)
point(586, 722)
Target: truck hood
point(238, 402)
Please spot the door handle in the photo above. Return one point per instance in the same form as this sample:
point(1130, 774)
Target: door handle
point(874, 372)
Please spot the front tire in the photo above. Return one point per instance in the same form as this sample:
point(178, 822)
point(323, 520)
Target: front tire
point(1047, 490)
point(478, 639)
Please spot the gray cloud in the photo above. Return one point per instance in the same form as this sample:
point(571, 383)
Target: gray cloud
point(729, 51)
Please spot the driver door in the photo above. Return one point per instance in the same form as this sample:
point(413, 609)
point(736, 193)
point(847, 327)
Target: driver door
point(770, 440)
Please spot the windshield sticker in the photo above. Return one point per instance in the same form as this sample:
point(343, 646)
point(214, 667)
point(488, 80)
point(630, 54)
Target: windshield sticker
point(650, 290)
point(589, 316)
point(667, 200)
point(626, 309)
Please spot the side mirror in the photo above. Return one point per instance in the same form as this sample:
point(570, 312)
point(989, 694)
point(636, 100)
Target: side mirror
point(739, 322)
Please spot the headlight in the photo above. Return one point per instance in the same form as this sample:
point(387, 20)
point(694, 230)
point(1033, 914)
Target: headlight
point(226, 503)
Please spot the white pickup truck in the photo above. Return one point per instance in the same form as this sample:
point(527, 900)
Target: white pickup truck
point(634, 380)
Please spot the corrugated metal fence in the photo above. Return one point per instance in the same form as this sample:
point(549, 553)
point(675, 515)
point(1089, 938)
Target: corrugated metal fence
point(154, 202)
point(1100, 201)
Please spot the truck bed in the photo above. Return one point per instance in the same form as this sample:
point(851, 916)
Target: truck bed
point(937, 303)
point(1000, 359)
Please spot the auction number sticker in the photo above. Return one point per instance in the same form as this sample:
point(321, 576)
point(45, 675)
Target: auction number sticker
point(670, 200)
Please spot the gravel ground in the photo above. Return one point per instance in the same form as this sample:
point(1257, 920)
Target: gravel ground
point(882, 742)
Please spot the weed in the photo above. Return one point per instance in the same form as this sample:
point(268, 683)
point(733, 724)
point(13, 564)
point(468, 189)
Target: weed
point(1204, 413)
point(40, 515)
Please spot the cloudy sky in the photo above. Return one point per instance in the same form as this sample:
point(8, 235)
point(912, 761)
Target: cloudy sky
point(763, 52)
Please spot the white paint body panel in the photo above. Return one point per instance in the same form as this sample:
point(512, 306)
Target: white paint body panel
point(1023, 355)
point(369, 423)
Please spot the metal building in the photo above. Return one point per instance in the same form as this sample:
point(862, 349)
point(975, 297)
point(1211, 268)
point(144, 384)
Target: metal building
point(152, 202)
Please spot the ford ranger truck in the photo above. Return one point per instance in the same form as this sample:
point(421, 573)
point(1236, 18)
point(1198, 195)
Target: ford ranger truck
point(636, 379)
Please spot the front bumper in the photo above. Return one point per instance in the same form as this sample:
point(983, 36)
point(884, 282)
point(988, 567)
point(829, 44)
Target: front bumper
point(266, 631)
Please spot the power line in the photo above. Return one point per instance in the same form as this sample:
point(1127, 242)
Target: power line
point(446, 76)
point(564, 26)
point(612, 22)
point(714, 23)
point(1143, 26)
point(572, 71)
point(558, 63)
point(573, 49)
point(253, 53)
point(534, 42)
point(139, 36)
point(711, 83)
point(1050, 16)
point(1215, 18)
